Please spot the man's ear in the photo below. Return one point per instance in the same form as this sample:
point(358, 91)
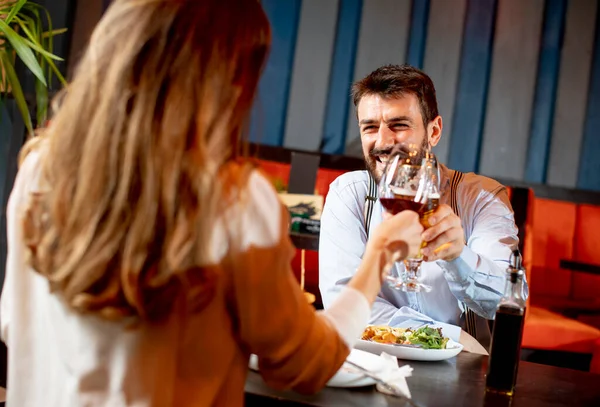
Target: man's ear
point(434, 131)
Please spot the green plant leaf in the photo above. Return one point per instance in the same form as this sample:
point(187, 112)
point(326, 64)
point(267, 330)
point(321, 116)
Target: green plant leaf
point(41, 50)
point(49, 44)
point(57, 72)
point(16, 90)
point(52, 33)
point(21, 26)
point(23, 51)
point(33, 41)
point(3, 75)
point(14, 9)
point(53, 68)
point(36, 28)
point(41, 96)
point(7, 6)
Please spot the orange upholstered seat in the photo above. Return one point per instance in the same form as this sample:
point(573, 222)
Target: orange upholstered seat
point(547, 330)
point(586, 248)
point(553, 228)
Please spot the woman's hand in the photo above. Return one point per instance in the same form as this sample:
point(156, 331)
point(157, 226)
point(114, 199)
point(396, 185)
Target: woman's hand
point(403, 227)
point(396, 238)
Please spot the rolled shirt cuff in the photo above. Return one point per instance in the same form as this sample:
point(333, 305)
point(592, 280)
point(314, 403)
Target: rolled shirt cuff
point(349, 314)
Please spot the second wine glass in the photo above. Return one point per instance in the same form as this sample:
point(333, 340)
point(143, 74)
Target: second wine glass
point(410, 181)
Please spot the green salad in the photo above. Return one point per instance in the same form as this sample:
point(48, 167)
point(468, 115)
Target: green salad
point(427, 338)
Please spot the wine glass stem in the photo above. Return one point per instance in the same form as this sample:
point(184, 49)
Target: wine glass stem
point(412, 268)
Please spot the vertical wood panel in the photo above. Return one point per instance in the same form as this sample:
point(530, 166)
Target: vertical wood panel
point(342, 73)
point(545, 92)
point(417, 37)
point(310, 74)
point(471, 95)
point(269, 111)
point(588, 176)
point(442, 60)
point(383, 39)
point(512, 86)
point(572, 93)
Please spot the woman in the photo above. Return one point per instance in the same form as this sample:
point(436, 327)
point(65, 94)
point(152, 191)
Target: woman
point(146, 260)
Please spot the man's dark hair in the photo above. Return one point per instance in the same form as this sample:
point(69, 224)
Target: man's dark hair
point(393, 81)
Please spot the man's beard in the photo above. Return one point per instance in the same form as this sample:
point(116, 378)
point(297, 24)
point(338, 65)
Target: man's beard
point(371, 160)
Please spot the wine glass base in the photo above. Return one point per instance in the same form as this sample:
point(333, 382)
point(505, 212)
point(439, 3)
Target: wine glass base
point(407, 286)
point(413, 287)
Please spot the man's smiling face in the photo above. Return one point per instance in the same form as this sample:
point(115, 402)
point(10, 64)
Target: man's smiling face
point(385, 123)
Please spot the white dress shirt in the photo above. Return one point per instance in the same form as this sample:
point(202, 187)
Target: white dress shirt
point(476, 278)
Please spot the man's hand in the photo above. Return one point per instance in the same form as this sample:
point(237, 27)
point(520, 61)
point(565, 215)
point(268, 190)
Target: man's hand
point(445, 237)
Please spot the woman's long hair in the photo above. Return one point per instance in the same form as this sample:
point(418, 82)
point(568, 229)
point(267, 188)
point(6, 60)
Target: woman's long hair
point(137, 160)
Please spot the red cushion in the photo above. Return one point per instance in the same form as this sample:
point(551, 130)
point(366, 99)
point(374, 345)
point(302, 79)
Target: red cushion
point(595, 363)
point(276, 172)
point(552, 229)
point(547, 330)
point(587, 248)
point(324, 178)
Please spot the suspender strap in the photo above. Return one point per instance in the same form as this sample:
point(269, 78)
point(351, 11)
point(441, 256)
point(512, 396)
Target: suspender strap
point(457, 177)
point(370, 200)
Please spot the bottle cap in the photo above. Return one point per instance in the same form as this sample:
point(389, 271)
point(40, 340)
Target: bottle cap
point(515, 261)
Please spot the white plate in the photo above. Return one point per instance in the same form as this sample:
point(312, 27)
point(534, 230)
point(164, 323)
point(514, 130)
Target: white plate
point(347, 376)
point(404, 352)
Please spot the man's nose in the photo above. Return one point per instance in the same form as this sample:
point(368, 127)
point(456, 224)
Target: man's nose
point(386, 138)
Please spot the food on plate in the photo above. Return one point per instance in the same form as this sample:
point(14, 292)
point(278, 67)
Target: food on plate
point(384, 334)
point(426, 337)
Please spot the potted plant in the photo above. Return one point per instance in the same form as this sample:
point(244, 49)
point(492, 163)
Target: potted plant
point(26, 34)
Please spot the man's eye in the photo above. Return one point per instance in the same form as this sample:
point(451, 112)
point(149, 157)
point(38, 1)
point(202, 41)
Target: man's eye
point(368, 128)
point(400, 126)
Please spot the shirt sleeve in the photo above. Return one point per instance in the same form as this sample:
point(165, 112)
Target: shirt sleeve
point(296, 347)
point(15, 254)
point(477, 277)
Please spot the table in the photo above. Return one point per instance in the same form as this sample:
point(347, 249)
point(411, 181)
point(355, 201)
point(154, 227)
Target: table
point(458, 382)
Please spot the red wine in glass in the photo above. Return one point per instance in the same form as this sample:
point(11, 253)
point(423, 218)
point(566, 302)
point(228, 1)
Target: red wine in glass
point(401, 203)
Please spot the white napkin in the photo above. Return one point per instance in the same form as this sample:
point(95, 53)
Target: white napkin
point(394, 375)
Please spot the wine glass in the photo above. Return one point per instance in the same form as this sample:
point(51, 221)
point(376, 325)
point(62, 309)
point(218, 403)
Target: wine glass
point(410, 181)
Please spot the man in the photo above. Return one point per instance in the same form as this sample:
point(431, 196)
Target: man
point(467, 252)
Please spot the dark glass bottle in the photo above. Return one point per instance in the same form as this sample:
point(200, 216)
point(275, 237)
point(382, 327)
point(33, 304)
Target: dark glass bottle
point(508, 330)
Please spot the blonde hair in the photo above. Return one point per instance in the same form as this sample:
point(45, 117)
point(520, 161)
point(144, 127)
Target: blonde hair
point(139, 155)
